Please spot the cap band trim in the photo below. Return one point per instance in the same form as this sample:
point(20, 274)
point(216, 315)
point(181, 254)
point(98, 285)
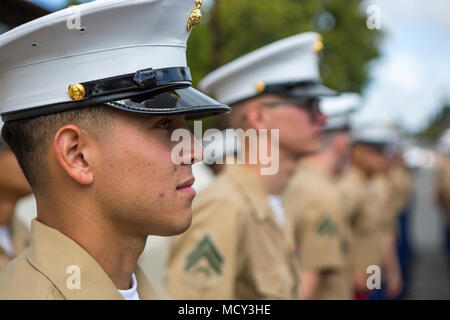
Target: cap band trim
point(114, 88)
point(142, 79)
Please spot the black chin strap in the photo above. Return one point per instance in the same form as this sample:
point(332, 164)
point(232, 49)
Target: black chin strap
point(141, 80)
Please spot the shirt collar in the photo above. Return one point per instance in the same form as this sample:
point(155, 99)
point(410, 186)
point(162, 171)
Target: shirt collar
point(60, 259)
point(247, 182)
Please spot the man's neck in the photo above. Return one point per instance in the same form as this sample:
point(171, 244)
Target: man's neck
point(116, 252)
point(365, 174)
point(275, 184)
point(324, 160)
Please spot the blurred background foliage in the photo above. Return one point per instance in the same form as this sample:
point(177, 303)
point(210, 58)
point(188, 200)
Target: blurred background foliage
point(437, 124)
point(232, 28)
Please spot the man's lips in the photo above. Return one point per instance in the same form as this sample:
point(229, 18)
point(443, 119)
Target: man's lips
point(187, 184)
point(318, 131)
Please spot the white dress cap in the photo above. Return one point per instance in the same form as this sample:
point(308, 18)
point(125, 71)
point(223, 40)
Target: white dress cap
point(338, 110)
point(380, 135)
point(289, 66)
point(103, 51)
point(345, 103)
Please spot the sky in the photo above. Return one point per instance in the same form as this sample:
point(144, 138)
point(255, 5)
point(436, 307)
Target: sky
point(412, 78)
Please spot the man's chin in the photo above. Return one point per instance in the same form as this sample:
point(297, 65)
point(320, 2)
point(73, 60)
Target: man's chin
point(309, 151)
point(176, 228)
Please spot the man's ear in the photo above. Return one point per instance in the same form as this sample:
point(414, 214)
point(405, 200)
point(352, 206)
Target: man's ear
point(355, 153)
point(255, 115)
point(71, 148)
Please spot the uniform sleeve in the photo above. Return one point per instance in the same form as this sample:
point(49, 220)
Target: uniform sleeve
point(392, 203)
point(318, 239)
point(203, 261)
point(313, 228)
point(365, 248)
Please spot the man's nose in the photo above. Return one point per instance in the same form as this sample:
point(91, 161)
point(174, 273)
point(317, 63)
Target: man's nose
point(320, 118)
point(196, 150)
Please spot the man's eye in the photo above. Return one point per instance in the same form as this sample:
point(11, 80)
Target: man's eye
point(165, 124)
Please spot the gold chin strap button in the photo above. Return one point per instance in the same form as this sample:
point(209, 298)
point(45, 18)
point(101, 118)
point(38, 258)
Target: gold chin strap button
point(195, 18)
point(77, 92)
point(260, 86)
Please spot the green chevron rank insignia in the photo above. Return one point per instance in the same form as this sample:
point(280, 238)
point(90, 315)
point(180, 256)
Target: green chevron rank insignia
point(204, 264)
point(327, 227)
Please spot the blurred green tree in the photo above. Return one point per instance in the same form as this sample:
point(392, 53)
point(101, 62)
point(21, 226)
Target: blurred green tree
point(232, 28)
point(437, 125)
point(73, 3)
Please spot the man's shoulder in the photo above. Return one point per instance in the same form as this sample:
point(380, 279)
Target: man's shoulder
point(351, 182)
point(307, 175)
point(19, 280)
point(310, 185)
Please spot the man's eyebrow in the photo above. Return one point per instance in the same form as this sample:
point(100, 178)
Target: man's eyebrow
point(157, 120)
point(301, 103)
point(152, 119)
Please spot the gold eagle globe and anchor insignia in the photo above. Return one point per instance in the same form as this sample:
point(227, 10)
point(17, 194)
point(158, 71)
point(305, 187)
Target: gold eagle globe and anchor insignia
point(77, 92)
point(195, 17)
point(318, 46)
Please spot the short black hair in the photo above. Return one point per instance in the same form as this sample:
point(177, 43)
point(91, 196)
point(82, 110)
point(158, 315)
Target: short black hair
point(30, 138)
point(3, 144)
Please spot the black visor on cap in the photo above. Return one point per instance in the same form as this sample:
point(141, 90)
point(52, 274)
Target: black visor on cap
point(189, 101)
point(301, 89)
point(337, 128)
point(377, 146)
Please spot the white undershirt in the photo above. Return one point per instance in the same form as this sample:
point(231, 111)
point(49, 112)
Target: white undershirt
point(132, 293)
point(277, 207)
point(5, 240)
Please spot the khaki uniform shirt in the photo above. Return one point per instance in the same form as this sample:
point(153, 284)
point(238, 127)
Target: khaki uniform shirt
point(234, 248)
point(443, 184)
point(19, 239)
point(390, 203)
point(46, 270)
point(315, 207)
point(401, 187)
point(365, 207)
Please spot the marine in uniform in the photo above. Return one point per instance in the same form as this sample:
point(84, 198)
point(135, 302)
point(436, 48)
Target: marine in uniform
point(236, 247)
point(401, 182)
point(14, 236)
point(400, 191)
point(89, 113)
point(366, 190)
point(316, 208)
